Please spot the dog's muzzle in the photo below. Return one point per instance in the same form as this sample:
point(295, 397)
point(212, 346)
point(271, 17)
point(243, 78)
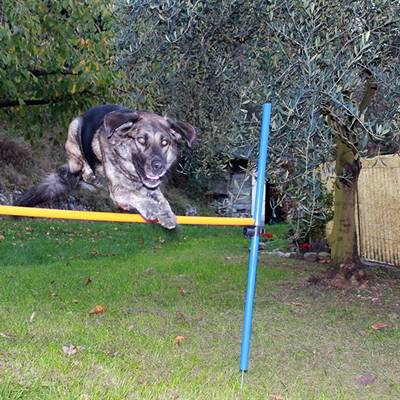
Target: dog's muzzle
point(153, 173)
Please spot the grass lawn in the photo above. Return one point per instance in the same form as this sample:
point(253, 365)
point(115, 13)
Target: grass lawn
point(309, 342)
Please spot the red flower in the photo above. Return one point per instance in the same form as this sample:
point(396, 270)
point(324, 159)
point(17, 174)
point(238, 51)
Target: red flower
point(305, 247)
point(267, 235)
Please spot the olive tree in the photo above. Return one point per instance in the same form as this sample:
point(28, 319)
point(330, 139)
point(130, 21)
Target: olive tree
point(330, 69)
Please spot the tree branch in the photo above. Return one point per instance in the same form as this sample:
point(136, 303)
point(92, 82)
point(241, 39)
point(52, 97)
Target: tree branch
point(37, 102)
point(42, 72)
point(369, 92)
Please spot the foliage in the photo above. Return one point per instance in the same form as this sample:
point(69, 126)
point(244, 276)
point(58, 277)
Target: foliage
point(215, 63)
point(188, 59)
point(334, 55)
point(54, 52)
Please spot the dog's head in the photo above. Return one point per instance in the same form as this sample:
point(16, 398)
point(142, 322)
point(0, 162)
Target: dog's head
point(145, 143)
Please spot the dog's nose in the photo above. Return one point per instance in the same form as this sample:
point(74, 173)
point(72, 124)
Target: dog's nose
point(157, 166)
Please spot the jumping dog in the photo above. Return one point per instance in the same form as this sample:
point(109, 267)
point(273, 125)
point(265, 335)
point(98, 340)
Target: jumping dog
point(131, 151)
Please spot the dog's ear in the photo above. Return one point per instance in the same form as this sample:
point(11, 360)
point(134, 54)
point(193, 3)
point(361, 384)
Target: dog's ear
point(182, 129)
point(119, 121)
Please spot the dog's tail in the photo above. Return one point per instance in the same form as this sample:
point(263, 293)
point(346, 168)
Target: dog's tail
point(53, 186)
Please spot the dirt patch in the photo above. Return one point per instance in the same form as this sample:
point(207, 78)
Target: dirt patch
point(375, 288)
point(347, 276)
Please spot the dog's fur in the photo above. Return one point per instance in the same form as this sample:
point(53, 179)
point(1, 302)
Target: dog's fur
point(132, 150)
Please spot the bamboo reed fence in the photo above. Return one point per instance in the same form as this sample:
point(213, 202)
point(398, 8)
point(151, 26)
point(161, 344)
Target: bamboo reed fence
point(377, 208)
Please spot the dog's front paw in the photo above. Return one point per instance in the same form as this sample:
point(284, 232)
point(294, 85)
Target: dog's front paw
point(149, 213)
point(167, 221)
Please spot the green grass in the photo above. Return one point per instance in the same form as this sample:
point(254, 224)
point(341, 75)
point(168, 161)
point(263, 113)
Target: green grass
point(308, 342)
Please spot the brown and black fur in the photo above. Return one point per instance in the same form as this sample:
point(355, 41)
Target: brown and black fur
point(131, 150)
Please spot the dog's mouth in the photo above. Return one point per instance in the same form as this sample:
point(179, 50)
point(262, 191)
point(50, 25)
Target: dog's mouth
point(152, 181)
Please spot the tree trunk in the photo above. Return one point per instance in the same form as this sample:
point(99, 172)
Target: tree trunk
point(343, 239)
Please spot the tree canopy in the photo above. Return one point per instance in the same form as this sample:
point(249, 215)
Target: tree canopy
point(329, 68)
point(55, 52)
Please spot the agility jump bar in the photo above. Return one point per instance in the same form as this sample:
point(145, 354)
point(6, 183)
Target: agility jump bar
point(116, 217)
point(257, 222)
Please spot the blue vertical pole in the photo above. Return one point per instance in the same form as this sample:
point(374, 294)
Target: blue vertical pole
point(255, 240)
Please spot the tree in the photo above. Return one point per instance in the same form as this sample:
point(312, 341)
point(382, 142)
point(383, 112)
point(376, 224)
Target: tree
point(54, 52)
point(330, 68)
point(342, 60)
point(190, 60)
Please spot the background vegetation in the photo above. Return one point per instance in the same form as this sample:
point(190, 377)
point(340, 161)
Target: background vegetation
point(330, 69)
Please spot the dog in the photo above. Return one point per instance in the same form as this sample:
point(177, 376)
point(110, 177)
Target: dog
point(131, 151)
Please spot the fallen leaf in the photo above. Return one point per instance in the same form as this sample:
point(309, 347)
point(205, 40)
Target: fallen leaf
point(296, 304)
point(276, 397)
point(364, 285)
point(149, 271)
point(111, 353)
point(95, 253)
point(379, 325)
point(339, 282)
point(182, 291)
point(70, 349)
point(99, 309)
point(179, 339)
point(6, 335)
point(88, 280)
point(366, 379)
point(32, 316)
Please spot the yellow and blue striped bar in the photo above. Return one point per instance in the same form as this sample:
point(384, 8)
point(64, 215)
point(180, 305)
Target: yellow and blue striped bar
point(116, 217)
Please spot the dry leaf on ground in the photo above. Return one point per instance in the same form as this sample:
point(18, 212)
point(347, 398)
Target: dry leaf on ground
point(179, 339)
point(276, 397)
point(379, 325)
point(99, 309)
point(149, 271)
point(6, 335)
point(88, 280)
point(296, 304)
point(70, 349)
point(366, 379)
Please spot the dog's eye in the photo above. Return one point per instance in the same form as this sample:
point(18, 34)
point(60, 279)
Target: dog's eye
point(164, 143)
point(141, 140)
